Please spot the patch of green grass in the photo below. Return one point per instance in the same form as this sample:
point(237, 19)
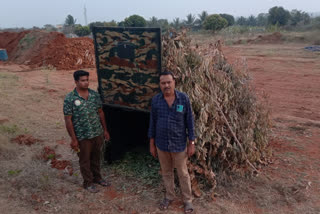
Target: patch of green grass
point(228, 42)
point(46, 70)
point(51, 156)
point(10, 129)
point(59, 125)
point(46, 73)
point(45, 181)
point(138, 165)
point(25, 130)
point(14, 172)
point(8, 76)
point(7, 80)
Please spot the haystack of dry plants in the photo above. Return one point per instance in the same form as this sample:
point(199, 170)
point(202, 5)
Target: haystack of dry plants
point(232, 126)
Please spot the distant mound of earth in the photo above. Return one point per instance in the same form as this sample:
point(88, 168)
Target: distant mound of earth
point(273, 38)
point(48, 49)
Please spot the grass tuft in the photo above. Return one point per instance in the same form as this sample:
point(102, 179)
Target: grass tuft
point(139, 165)
point(9, 129)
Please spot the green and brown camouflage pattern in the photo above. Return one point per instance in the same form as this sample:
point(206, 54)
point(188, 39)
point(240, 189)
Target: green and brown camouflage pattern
point(128, 65)
point(85, 116)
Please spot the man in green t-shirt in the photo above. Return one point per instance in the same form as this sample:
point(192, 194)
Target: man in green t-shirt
point(86, 125)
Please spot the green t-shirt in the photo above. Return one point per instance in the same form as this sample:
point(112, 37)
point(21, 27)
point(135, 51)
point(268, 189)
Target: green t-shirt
point(85, 116)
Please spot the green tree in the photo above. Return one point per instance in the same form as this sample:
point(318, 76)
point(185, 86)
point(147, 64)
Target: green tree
point(70, 21)
point(229, 18)
point(201, 17)
point(164, 24)
point(251, 21)
point(95, 24)
point(306, 19)
point(49, 28)
point(82, 30)
point(241, 21)
point(299, 17)
point(190, 20)
point(262, 19)
point(121, 24)
point(278, 15)
point(69, 25)
point(103, 24)
point(315, 22)
point(153, 22)
point(176, 23)
point(215, 22)
point(135, 21)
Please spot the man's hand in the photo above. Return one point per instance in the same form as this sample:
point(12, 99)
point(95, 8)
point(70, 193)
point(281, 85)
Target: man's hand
point(190, 149)
point(106, 135)
point(74, 145)
point(153, 149)
point(74, 142)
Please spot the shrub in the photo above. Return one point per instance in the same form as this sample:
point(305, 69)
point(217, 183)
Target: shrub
point(82, 30)
point(135, 21)
point(229, 18)
point(215, 22)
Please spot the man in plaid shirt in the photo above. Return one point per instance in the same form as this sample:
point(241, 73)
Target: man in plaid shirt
point(171, 122)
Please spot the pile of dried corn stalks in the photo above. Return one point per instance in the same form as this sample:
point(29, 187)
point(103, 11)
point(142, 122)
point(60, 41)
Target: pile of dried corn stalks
point(232, 127)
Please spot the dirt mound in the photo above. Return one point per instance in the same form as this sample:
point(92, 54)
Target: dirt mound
point(51, 49)
point(3, 120)
point(25, 140)
point(273, 38)
point(64, 53)
point(10, 41)
point(50, 154)
point(267, 39)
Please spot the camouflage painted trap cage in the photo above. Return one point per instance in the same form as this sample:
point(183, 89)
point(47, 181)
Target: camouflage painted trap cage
point(128, 64)
point(232, 125)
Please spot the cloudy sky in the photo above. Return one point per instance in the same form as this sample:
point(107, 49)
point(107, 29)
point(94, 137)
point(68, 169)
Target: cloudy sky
point(29, 13)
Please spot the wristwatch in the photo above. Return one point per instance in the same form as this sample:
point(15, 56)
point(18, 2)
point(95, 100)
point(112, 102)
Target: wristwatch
point(192, 142)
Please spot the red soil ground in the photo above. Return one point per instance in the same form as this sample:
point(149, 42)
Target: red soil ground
point(48, 49)
point(290, 76)
point(273, 38)
point(25, 139)
point(287, 73)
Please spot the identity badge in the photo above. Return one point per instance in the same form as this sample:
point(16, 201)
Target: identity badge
point(77, 102)
point(179, 108)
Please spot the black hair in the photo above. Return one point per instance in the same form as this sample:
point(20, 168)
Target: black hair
point(167, 73)
point(79, 73)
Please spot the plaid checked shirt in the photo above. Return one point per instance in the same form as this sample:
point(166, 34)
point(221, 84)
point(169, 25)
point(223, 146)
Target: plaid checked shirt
point(171, 126)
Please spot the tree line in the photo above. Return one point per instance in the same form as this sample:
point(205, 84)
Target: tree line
point(214, 22)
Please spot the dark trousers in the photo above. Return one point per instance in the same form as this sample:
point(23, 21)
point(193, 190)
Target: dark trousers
point(89, 160)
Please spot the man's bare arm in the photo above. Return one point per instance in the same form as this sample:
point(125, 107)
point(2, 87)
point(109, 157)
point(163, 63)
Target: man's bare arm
point(104, 124)
point(74, 141)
